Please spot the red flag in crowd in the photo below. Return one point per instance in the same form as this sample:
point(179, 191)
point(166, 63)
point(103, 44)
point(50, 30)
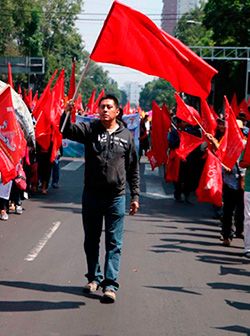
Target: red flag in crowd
point(91, 102)
point(19, 90)
point(235, 143)
point(243, 107)
point(96, 104)
point(246, 156)
point(78, 103)
point(28, 98)
point(160, 126)
point(234, 105)
point(43, 98)
point(186, 112)
point(126, 108)
point(131, 39)
point(10, 80)
point(56, 112)
point(72, 83)
point(172, 167)
point(209, 122)
point(34, 101)
point(12, 142)
point(210, 185)
point(215, 115)
point(188, 143)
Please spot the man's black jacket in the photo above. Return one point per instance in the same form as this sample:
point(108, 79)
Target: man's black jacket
point(110, 159)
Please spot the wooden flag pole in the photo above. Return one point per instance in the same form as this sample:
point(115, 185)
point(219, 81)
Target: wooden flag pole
point(83, 74)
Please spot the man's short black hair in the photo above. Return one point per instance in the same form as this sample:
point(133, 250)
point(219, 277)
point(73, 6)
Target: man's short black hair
point(112, 97)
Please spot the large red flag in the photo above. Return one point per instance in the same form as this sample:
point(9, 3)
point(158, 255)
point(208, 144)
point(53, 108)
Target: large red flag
point(235, 144)
point(186, 112)
point(12, 142)
point(72, 83)
point(209, 122)
point(188, 143)
point(210, 185)
point(10, 80)
point(131, 39)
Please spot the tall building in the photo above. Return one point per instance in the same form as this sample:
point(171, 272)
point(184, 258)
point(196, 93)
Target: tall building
point(173, 10)
point(133, 90)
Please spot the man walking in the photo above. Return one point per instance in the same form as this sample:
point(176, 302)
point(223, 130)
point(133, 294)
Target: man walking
point(110, 161)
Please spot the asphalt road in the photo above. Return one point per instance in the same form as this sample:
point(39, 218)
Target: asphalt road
point(176, 278)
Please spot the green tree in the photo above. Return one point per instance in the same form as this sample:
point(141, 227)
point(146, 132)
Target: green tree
point(158, 90)
point(191, 31)
point(229, 20)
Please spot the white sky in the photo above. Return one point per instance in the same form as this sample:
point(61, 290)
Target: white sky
point(91, 29)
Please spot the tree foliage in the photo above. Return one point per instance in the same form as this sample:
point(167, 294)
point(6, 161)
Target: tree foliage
point(191, 31)
point(229, 21)
point(46, 28)
point(158, 90)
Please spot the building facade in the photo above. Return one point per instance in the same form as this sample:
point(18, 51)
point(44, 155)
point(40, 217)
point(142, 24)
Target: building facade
point(173, 10)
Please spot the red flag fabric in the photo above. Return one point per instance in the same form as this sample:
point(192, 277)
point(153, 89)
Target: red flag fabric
point(96, 104)
point(126, 108)
point(78, 103)
point(131, 39)
point(210, 185)
point(56, 112)
point(246, 156)
point(234, 105)
point(152, 159)
point(91, 103)
point(243, 108)
point(235, 144)
point(160, 126)
point(12, 141)
point(209, 122)
point(43, 98)
point(172, 167)
point(186, 112)
point(188, 143)
point(19, 90)
point(72, 84)
point(34, 101)
point(10, 79)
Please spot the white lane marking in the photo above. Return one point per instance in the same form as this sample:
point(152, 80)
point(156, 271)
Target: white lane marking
point(42, 242)
point(157, 195)
point(74, 165)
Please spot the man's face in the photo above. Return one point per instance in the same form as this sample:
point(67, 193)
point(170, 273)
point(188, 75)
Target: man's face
point(108, 110)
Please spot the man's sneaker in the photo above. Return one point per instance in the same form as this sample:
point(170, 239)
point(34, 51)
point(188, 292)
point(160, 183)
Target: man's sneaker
point(91, 287)
point(55, 185)
point(19, 210)
point(109, 296)
point(4, 215)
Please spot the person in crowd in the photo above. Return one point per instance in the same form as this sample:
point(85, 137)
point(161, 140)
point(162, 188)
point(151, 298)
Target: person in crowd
point(110, 160)
point(4, 209)
point(143, 139)
point(191, 168)
point(233, 200)
point(44, 167)
point(56, 169)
